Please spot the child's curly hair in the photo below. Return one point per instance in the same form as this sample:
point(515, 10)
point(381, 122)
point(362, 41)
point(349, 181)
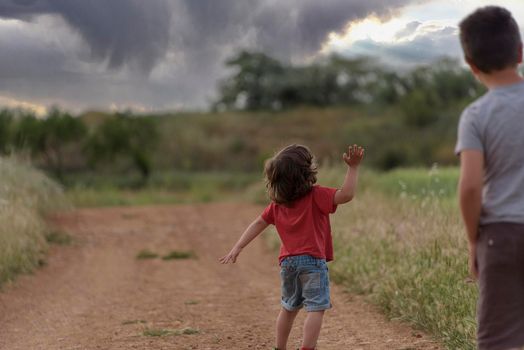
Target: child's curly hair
point(290, 174)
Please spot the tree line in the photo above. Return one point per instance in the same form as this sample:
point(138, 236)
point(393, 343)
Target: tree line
point(60, 142)
point(260, 82)
point(404, 118)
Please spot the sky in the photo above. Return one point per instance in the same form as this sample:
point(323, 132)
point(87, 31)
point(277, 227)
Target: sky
point(159, 55)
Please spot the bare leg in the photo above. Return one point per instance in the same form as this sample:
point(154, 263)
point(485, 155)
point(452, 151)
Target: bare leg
point(312, 327)
point(284, 324)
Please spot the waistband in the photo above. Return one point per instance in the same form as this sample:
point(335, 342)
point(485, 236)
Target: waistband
point(501, 226)
point(302, 260)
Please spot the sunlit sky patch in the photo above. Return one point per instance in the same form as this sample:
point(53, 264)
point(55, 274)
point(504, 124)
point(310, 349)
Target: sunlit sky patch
point(422, 32)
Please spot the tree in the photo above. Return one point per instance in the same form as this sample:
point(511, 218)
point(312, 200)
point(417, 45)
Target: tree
point(260, 82)
point(252, 85)
point(124, 137)
point(6, 121)
point(49, 138)
point(60, 130)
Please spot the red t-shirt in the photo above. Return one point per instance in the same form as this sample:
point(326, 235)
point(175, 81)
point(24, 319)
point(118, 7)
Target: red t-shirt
point(304, 226)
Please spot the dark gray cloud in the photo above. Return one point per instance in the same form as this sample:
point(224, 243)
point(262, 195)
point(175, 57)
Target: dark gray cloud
point(288, 29)
point(122, 31)
point(180, 45)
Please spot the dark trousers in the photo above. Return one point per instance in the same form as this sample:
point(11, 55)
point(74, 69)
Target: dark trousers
point(500, 309)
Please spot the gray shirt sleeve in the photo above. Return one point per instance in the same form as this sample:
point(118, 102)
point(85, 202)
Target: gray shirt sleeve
point(469, 136)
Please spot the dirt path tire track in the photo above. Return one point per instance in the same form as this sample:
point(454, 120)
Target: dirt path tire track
point(89, 292)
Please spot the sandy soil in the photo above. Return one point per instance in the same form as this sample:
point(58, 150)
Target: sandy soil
point(95, 294)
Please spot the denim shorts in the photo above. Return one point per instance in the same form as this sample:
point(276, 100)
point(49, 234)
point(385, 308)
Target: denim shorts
point(304, 282)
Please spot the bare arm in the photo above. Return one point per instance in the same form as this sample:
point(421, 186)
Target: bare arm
point(470, 198)
point(352, 158)
point(253, 230)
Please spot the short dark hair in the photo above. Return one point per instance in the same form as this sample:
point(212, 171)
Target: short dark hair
point(290, 174)
point(490, 39)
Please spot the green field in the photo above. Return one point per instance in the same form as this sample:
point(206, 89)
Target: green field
point(94, 190)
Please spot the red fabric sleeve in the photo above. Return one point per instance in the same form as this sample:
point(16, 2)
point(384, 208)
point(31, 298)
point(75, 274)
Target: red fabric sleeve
point(268, 214)
point(325, 199)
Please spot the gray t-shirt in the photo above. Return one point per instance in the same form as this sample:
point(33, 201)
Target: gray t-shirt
point(494, 124)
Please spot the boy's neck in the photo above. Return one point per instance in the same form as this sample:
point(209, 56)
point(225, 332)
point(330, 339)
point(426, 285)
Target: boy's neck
point(505, 77)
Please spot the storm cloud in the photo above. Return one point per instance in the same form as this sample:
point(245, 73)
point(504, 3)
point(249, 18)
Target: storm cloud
point(121, 31)
point(157, 53)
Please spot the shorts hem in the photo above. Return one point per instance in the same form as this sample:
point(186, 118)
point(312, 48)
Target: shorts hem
point(318, 308)
point(290, 308)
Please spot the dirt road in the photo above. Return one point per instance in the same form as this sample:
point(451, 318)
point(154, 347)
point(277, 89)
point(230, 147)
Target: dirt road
point(95, 294)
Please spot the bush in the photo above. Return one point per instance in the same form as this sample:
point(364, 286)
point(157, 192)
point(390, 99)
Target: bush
point(26, 195)
point(124, 137)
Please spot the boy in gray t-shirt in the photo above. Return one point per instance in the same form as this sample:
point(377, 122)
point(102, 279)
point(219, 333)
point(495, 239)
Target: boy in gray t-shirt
point(491, 190)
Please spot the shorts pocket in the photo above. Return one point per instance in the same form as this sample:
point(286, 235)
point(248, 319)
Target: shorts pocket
point(311, 284)
point(286, 282)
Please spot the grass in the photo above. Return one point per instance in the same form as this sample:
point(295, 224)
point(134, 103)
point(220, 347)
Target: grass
point(178, 254)
point(58, 237)
point(26, 195)
point(162, 188)
point(128, 322)
point(188, 331)
point(401, 243)
point(410, 258)
point(415, 183)
point(172, 255)
point(158, 332)
point(146, 254)
point(163, 332)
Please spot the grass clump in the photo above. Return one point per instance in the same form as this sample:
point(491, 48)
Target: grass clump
point(26, 195)
point(158, 332)
point(128, 322)
point(172, 255)
point(179, 255)
point(146, 254)
point(162, 332)
point(188, 331)
point(59, 238)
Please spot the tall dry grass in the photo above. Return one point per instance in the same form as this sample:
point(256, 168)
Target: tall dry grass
point(401, 242)
point(26, 195)
point(409, 256)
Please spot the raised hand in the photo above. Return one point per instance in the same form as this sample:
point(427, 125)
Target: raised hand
point(354, 156)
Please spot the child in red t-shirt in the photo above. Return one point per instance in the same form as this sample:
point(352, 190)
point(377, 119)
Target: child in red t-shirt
point(300, 211)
